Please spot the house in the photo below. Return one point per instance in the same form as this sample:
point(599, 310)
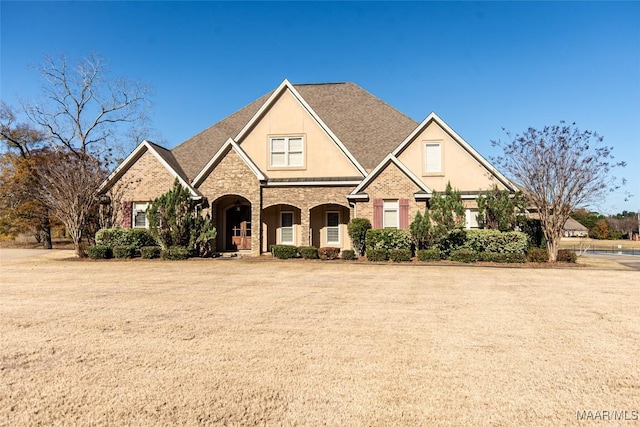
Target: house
point(573, 228)
point(294, 166)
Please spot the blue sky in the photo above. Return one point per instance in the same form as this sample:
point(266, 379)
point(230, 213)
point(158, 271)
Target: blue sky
point(479, 66)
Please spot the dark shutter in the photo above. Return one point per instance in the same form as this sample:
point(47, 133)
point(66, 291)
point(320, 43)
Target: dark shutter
point(404, 213)
point(377, 213)
point(127, 213)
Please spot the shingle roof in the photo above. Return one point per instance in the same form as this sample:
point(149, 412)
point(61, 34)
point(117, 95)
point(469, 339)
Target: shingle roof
point(168, 157)
point(367, 126)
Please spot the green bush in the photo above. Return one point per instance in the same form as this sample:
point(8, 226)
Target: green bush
point(400, 255)
point(454, 240)
point(501, 257)
point(175, 253)
point(128, 251)
point(377, 255)
point(99, 252)
point(566, 255)
point(537, 255)
point(388, 239)
point(463, 255)
point(348, 254)
point(113, 237)
point(328, 253)
point(284, 251)
point(496, 241)
point(150, 252)
point(357, 230)
point(308, 252)
point(428, 254)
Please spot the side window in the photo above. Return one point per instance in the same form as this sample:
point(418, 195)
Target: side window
point(390, 218)
point(139, 219)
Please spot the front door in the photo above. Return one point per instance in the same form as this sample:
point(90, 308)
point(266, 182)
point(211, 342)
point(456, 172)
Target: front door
point(239, 228)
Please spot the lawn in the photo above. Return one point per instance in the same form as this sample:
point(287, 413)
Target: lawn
point(255, 342)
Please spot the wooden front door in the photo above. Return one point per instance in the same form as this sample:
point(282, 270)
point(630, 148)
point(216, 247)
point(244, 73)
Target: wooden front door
point(239, 228)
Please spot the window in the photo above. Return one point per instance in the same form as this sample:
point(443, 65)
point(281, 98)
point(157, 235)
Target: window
point(333, 227)
point(140, 215)
point(390, 214)
point(286, 227)
point(433, 157)
point(286, 152)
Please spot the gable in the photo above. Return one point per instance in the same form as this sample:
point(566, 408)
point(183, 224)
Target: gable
point(231, 175)
point(389, 182)
point(460, 164)
point(287, 117)
point(144, 180)
point(147, 160)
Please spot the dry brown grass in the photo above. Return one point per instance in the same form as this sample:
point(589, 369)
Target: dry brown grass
point(313, 343)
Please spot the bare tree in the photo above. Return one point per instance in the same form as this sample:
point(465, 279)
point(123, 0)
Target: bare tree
point(559, 168)
point(85, 115)
point(84, 111)
point(68, 182)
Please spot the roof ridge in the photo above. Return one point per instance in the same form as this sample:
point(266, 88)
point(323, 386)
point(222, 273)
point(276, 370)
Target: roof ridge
point(321, 83)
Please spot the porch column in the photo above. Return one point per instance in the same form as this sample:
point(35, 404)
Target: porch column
point(305, 230)
point(256, 229)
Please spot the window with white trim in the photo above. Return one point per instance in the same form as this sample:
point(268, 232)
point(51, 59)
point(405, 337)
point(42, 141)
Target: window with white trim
point(390, 214)
point(333, 227)
point(286, 151)
point(433, 157)
point(139, 219)
point(286, 228)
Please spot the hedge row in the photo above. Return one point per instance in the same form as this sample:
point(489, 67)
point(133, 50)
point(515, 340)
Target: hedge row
point(310, 252)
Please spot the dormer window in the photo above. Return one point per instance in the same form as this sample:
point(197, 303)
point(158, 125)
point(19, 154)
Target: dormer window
point(286, 152)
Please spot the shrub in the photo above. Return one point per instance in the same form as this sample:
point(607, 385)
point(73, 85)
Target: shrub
point(388, 239)
point(377, 255)
point(308, 252)
point(128, 251)
point(284, 251)
point(428, 254)
point(496, 241)
point(150, 252)
point(501, 257)
point(463, 255)
point(537, 255)
point(113, 237)
point(566, 255)
point(453, 241)
point(348, 254)
point(328, 253)
point(175, 253)
point(99, 252)
point(400, 255)
point(357, 230)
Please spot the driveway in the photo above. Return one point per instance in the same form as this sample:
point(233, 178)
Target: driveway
point(632, 261)
point(7, 254)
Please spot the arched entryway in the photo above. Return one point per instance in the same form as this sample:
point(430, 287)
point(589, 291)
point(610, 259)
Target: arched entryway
point(328, 226)
point(234, 225)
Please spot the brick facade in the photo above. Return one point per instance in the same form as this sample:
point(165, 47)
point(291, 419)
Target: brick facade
point(390, 184)
point(145, 180)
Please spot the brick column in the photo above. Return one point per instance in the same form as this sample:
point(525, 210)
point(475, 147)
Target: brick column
point(305, 237)
point(256, 229)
